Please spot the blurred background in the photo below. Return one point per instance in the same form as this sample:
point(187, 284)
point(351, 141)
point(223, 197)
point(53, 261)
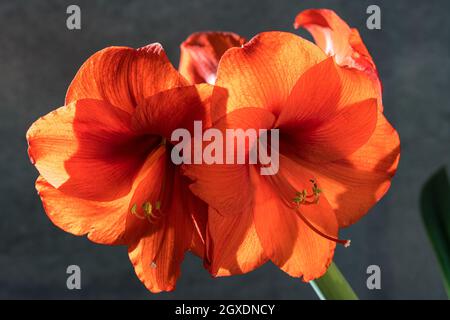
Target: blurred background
point(39, 56)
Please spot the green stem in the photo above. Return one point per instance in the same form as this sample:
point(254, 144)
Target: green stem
point(333, 286)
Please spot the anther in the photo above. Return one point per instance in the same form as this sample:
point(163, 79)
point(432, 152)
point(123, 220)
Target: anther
point(301, 196)
point(147, 207)
point(135, 213)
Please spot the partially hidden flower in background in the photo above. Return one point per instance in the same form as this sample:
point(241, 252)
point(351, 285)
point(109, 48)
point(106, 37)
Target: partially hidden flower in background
point(338, 154)
point(104, 160)
point(337, 39)
point(201, 53)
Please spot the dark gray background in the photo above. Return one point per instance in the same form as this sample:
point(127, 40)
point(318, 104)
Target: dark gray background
point(39, 57)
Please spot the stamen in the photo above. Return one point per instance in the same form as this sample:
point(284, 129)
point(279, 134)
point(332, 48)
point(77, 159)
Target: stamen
point(148, 209)
point(301, 197)
point(135, 213)
point(149, 213)
point(147, 206)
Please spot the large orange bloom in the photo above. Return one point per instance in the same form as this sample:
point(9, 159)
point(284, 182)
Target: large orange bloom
point(104, 160)
point(338, 154)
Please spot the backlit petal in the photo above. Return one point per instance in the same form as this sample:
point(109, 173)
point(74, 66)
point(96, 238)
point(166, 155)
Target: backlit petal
point(263, 72)
point(124, 76)
point(87, 149)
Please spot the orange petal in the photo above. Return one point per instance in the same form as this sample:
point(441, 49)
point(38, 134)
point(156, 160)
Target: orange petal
point(337, 39)
point(176, 108)
point(87, 149)
point(320, 92)
point(157, 256)
point(334, 139)
point(105, 222)
point(263, 72)
point(233, 246)
point(201, 53)
point(356, 183)
point(124, 77)
point(286, 239)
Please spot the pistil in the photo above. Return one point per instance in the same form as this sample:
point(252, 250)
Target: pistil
point(302, 198)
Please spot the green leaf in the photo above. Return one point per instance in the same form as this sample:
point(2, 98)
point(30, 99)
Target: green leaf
point(333, 286)
point(435, 206)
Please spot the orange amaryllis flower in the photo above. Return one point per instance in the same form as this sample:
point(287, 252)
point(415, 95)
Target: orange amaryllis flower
point(338, 154)
point(201, 53)
point(104, 160)
point(337, 39)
